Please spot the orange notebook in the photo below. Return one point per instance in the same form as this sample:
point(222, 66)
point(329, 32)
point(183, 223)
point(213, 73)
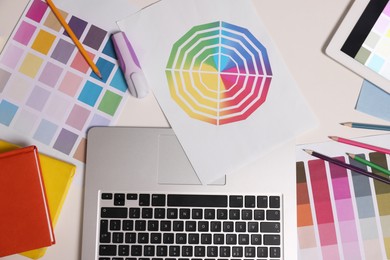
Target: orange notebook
point(25, 222)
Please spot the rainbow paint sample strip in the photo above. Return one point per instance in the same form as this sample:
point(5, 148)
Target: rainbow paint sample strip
point(48, 92)
point(342, 214)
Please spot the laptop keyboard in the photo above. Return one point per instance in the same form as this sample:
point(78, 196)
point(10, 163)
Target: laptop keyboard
point(189, 226)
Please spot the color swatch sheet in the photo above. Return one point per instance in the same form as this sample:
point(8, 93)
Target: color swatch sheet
point(375, 52)
point(342, 214)
point(219, 80)
point(373, 101)
point(47, 90)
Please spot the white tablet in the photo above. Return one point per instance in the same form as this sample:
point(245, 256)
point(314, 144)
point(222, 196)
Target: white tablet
point(362, 42)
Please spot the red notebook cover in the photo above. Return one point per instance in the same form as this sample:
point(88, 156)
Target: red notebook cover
point(24, 216)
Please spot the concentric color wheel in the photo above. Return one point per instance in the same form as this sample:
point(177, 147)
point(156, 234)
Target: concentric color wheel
point(218, 73)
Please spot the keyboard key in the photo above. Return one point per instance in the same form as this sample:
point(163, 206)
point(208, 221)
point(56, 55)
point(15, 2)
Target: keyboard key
point(187, 251)
point(200, 251)
point(253, 227)
point(136, 250)
point(262, 252)
point(274, 202)
point(271, 239)
point(149, 250)
point(256, 239)
point(115, 224)
point(250, 201)
point(215, 226)
point(140, 225)
point(178, 225)
point(236, 201)
point(240, 226)
point(105, 237)
point(262, 201)
point(147, 213)
point(184, 214)
point(174, 250)
point(131, 196)
point(222, 214)
point(158, 200)
point(274, 252)
point(243, 239)
point(152, 225)
point(270, 227)
point(209, 214)
point(172, 213)
point(181, 238)
point(273, 214)
point(197, 200)
point(231, 239)
point(117, 237)
point(162, 251)
point(250, 251)
point(224, 251)
point(107, 212)
point(134, 213)
point(205, 239)
point(246, 214)
point(237, 251)
point(197, 213)
point(193, 238)
point(212, 251)
point(259, 214)
point(228, 226)
point(106, 196)
point(168, 238)
point(165, 225)
point(127, 225)
point(107, 250)
point(234, 214)
point(190, 226)
point(159, 213)
point(219, 239)
point(203, 226)
point(144, 200)
point(119, 199)
point(143, 238)
point(130, 238)
point(155, 238)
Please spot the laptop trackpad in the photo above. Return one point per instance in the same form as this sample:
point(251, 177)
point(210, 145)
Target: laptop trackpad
point(173, 164)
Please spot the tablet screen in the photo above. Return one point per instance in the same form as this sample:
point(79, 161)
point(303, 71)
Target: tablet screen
point(369, 40)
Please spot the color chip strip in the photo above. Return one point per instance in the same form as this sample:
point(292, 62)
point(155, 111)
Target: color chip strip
point(47, 90)
point(342, 214)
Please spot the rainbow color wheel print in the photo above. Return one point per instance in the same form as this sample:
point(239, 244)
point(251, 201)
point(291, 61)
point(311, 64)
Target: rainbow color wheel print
point(218, 73)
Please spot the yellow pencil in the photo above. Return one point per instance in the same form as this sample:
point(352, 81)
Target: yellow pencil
point(74, 38)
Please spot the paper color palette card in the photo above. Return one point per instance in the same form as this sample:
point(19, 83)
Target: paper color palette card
point(25, 222)
point(342, 214)
point(48, 92)
point(220, 81)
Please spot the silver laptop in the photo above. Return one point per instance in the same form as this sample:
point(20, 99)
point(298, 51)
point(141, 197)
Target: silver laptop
point(144, 201)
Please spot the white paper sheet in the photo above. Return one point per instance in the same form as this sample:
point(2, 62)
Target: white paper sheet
point(220, 55)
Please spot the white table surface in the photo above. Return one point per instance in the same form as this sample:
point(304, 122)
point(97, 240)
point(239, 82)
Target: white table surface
point(300, 30)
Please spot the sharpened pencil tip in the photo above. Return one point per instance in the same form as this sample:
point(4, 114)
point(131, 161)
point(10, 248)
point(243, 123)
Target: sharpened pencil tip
point(334, 138)
point(351, 155)
point(308, 151)
point(99, 74)
point(349, 124)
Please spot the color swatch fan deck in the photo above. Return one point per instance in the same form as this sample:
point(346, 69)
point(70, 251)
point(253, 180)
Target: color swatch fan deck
point(342, 214)
point(219, 73)
point(47, 90)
